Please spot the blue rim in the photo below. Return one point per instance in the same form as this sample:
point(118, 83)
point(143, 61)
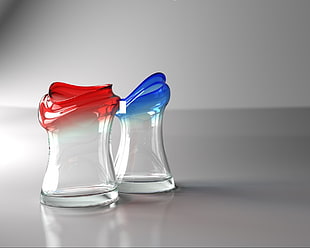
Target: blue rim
point(144, 99)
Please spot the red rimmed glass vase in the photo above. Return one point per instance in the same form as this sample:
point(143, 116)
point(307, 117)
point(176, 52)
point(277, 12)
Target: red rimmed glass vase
point(78, 121)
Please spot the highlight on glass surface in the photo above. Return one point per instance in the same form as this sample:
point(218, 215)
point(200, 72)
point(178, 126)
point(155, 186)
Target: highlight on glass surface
point(141, 164)
point(80, 170)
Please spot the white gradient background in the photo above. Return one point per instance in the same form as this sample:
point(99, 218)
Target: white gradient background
point(236, 129)
point(216, 54)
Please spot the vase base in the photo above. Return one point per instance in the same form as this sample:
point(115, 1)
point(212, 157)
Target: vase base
point(102, 199)
point(142, 187)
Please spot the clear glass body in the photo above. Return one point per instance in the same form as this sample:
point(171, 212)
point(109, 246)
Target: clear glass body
point(141, 163)
point(80, 170)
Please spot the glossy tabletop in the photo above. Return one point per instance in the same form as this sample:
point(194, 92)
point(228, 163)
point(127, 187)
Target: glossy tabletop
point(242, 177)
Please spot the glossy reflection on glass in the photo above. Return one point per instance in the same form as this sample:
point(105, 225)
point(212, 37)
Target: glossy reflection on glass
point(141, 163)
point(78, 121)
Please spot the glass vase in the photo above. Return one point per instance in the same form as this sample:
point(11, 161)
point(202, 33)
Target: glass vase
point(141, 164)
point(80, 170)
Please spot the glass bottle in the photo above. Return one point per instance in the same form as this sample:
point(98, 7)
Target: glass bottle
point(141, 164)
point(80, 170)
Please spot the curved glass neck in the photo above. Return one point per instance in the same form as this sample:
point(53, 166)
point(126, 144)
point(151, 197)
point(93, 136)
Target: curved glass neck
point(141, 154)
point(80, 158)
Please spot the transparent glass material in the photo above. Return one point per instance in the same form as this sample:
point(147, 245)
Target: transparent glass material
point(141, 164)
point(80, 170)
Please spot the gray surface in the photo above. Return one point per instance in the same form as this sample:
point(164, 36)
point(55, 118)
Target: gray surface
point(243, 178)
point(216, 53)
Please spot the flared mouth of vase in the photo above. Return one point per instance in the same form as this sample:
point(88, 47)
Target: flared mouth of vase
point(63, 99)
point(61, 92)
point(153, 88)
